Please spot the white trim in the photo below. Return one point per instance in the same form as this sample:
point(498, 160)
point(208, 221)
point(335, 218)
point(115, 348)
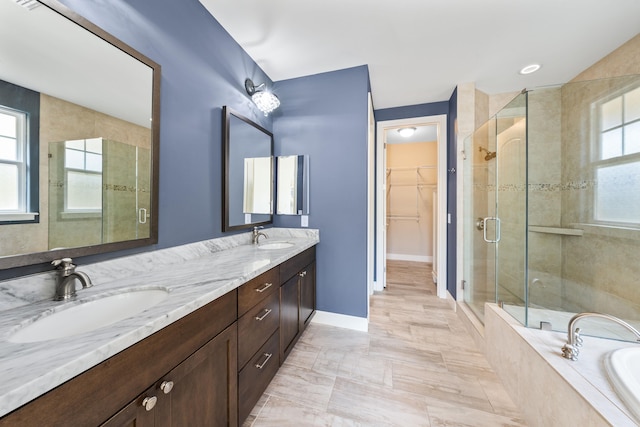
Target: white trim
point(21, 216)
point(341, 321)
point(371, 192)
point(441, 257)
point(407, 257)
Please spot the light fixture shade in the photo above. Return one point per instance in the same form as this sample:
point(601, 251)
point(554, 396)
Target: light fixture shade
point(264, 100)
point(407, 132)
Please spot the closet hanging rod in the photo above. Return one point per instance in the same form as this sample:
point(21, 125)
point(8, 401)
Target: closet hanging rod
point(412, 168)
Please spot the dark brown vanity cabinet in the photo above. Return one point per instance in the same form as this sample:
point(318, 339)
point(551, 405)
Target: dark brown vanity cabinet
point(258, 338)
point(197, 353)
point(297, 298)
point(197, 392)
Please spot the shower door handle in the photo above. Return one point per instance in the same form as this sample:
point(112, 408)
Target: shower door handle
point(142, 216)
point(484, 229)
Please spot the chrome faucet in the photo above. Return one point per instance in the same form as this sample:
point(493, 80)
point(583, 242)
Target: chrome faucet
point(66, 280)
point(571, 349)
point(255, 239)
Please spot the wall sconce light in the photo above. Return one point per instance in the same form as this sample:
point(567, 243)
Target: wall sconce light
point(264, 99)
point(406, 132)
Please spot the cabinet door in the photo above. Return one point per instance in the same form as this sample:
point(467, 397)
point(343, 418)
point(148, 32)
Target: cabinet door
point(307, 294)
point(202, 390)
point(289, 316)
point(139, 413)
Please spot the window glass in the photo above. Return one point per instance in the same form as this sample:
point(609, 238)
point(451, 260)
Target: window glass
point(611, 114)
point(632, 138)
point(8, 148)
point(611, 144)
point(74, 159)
point(8, 126)
point(84, 191)
point(632, 105)
point(9, 196)
point(617, 193)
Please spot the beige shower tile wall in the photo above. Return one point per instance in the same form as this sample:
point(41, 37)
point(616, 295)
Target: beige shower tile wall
point(623, 61)
point(600, 269)
point(544, 198)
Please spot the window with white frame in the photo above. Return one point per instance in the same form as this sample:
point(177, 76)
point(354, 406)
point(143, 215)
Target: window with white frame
point(83, 175)
point(617, 163)
point(13, 161)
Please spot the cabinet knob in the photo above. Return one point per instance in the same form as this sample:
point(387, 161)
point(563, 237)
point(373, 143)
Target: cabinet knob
point(166, 386)
point(149, 402)
point(302, 274)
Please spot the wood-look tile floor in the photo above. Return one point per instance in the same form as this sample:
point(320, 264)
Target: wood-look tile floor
point(417, 366)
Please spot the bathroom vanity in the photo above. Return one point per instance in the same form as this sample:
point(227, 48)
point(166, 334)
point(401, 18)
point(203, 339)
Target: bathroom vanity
point(202, 357)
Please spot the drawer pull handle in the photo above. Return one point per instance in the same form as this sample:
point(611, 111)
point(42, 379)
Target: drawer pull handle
point(149, 402)
point(261, 365)
point(304, 273)
point(166, 386)
point(264, 288)
point(267, 311)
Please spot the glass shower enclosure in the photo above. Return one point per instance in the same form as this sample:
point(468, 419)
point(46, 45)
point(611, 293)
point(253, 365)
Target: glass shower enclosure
point(552, 206)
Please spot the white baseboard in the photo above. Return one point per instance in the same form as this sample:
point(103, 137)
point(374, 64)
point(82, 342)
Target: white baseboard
point(341, 321)
point(406, 257)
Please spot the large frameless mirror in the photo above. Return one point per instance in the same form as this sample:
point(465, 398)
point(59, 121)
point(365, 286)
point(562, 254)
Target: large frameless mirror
point(248, 173)
point(79, 131)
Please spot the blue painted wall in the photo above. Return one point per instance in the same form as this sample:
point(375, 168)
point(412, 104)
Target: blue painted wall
point(418, 110)
point(325, 116)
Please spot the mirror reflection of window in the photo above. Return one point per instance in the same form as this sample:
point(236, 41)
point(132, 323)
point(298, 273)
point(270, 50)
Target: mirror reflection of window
point(287, 185)
point(617, 166)
point(257, 185)
point(83, 175)
point(13, 164)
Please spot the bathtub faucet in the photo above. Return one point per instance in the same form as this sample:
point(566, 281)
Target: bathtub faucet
point(571, 349)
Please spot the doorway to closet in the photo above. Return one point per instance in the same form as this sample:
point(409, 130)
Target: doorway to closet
point(411, 199)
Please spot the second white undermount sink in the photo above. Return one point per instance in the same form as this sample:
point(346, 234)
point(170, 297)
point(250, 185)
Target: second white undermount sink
point(90, 315)
point(275, 245)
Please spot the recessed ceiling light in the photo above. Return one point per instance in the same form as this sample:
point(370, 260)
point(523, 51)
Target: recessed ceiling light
point(530, 69)
point(406, 132)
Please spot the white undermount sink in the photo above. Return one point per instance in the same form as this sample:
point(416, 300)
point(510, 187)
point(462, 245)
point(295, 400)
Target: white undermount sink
point(90, 315)
point(275, 245)
point(623, 369)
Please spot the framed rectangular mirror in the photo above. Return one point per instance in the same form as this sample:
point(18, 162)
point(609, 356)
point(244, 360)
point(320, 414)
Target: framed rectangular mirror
point(292, 190)
point(79, 153)
point(247, 195)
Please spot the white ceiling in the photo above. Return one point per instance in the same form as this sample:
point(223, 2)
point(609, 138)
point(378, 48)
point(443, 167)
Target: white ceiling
point(419, 50)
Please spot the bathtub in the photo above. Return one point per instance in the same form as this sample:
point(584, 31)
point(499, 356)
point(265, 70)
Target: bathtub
point(623, 369)
point(549, 389)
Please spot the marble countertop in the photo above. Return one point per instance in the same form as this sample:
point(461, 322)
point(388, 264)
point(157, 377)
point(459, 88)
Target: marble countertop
point(193, 275)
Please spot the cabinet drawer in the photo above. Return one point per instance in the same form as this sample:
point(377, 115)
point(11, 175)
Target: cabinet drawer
point(257, 289)
point(256, 326)
point(254, 378)
point(292, 266)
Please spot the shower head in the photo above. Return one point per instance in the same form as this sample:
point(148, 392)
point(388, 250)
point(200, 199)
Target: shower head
point(490, 154)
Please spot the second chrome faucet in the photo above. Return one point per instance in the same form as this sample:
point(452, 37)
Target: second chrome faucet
point(255, 238)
